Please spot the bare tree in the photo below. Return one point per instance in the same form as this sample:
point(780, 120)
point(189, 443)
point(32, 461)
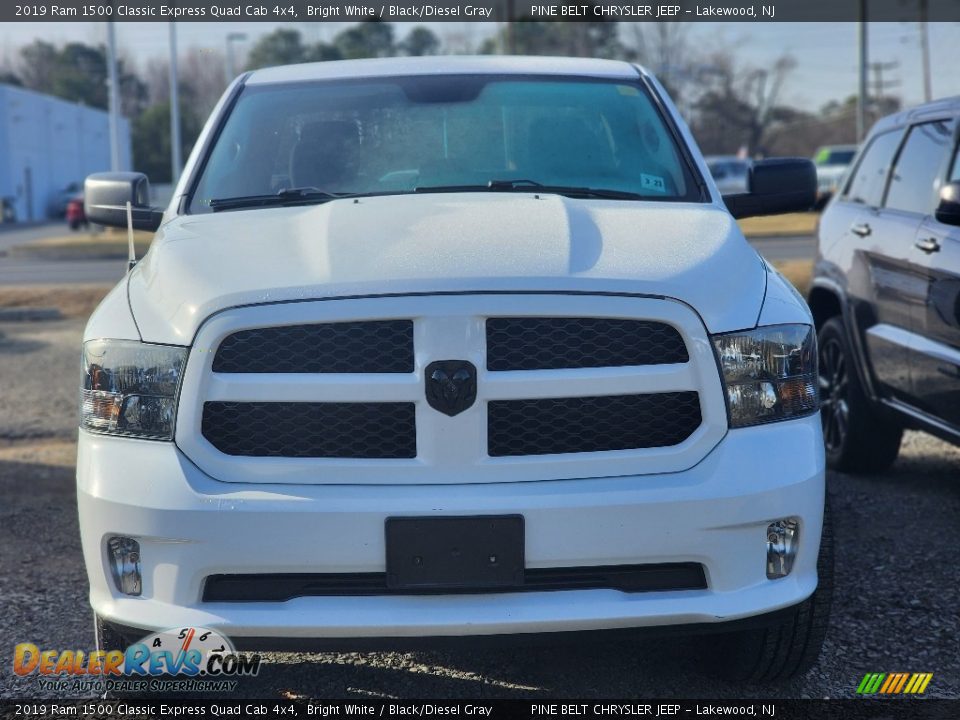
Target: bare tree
point(201, 79)
point(202, 72)
point(665, 49)
point(739, 105)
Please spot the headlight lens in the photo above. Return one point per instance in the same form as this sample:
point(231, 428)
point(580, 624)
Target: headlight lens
point(130, 388)
point(770, 373)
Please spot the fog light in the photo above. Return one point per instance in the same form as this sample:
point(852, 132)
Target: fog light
point(782, 539)
point(124, 555)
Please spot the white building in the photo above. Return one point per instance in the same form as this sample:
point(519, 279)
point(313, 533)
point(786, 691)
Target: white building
point(46, 144)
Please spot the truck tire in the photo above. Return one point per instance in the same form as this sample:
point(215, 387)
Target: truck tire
point(857, 438)
point(106, 637)
point(792, 645)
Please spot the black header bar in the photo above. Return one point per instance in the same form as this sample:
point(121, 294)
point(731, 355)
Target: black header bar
point(577, 709)
point(479, 11)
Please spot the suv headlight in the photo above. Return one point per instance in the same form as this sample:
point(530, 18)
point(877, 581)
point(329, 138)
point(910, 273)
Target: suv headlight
point(770, 373)
point(130, 388)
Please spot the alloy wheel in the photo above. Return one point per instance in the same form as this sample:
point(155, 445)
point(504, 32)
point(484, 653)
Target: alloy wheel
point(834, 405)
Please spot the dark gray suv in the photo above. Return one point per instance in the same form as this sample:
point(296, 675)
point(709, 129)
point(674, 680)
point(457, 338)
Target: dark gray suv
point(886, 291)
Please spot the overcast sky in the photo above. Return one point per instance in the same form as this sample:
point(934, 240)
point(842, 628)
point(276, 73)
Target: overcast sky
point(826, 53)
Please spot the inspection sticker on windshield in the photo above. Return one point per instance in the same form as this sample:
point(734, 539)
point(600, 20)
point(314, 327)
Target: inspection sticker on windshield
point(652, 182)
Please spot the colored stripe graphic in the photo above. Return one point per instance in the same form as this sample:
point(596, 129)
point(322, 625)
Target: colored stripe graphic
point(870, 683)
point(918, 683)
point(894, 683)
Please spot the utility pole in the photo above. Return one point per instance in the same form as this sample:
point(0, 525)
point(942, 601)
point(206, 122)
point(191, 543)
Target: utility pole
point(925, 52)
point(231, 39)
point(879, 84)
point(175, 161)
point(113, 98)
point(862, 94)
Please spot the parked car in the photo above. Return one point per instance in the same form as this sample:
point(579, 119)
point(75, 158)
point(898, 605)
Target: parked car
point(8, 210)
point(61, 199)
point(730, 173)
point(471, 348)
point(76, 217)
point(886, 292)
point(832, 162)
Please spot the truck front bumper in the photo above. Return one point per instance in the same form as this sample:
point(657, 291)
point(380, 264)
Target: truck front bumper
point(190, 526)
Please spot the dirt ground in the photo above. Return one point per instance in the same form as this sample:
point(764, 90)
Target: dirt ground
point(895, 607)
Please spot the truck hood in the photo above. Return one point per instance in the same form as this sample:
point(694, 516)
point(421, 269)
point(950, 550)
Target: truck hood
point(201, 264)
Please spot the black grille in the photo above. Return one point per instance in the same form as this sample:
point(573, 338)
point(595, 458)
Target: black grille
point(331, 430)
point(377, 346)
point(590, 424)
point(537, 343)
point(279, 587)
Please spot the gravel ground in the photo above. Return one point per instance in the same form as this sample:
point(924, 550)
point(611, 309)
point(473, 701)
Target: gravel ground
point(895, 607)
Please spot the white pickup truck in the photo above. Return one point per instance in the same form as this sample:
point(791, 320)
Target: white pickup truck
point(429, 349)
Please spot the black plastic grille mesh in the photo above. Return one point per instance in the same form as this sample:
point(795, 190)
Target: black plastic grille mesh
point(538, 343)
point(590, 424)
point(280, 587)
point(332, 430)
point(376, 346)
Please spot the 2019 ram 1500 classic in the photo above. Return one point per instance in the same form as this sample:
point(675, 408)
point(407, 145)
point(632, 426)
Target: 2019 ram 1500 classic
point(435, 349)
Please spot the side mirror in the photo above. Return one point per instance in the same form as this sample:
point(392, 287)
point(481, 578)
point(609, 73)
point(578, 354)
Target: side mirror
point(105, 198)
point(948, 211)
point(780, 185)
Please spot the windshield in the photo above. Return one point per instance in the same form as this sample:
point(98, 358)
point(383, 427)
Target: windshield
point(443, 133)
point(835, 157)
point(727, 168)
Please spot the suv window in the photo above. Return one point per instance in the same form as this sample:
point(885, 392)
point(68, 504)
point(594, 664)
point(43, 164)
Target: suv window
point(954, 175)
point(868, 182)
point(915, 179)
point(423, 134)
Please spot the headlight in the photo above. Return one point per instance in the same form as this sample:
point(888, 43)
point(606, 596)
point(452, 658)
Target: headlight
point(770, 373)
point(130, 388)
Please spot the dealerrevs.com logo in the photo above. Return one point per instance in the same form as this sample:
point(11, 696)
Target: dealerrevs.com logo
point(182, 660)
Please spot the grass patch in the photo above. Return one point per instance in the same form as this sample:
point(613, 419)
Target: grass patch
point(799, 272)
point(75, 301)
point(777, 225)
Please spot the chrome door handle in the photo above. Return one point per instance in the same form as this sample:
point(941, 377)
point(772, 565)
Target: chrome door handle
point(861, 229)
point(930, 245)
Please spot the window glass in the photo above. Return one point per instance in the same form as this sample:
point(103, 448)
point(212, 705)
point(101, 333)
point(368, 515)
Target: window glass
point(916, 177)
point(415, 134)
point(954, 175)
point(869, 180)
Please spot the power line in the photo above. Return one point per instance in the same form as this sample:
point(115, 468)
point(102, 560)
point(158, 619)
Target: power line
point(879, 85)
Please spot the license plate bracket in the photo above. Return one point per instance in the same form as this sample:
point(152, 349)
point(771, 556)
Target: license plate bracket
point(455, 553)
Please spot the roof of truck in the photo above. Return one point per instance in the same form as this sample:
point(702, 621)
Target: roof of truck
point(445, 65)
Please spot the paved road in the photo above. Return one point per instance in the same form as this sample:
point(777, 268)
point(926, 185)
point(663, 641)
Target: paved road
point(895, 607)
point(29, 271)
point(16, 234)
point(794, 247)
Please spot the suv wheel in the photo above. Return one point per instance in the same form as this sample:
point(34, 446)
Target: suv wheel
point(792, 645)
point(857, 439)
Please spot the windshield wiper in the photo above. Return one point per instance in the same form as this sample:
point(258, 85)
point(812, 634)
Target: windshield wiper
point(534, 186)
point(287, 196)
point(512, 184)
